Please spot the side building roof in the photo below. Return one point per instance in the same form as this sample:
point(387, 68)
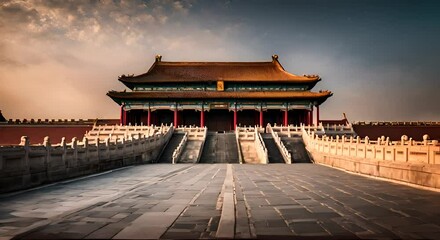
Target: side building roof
point(2, 118)
point(178, 72)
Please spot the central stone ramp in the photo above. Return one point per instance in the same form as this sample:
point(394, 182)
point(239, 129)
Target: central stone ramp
point(191, 151)
point(297, 149)
point(272, 149)
point(167, 153)
point(220, 148)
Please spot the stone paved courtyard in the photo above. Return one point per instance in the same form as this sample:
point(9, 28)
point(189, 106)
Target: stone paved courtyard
point(193, 201)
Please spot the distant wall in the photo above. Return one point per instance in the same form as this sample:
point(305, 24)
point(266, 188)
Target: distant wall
point(36, 129)
point(394, 131)
point(11, 134)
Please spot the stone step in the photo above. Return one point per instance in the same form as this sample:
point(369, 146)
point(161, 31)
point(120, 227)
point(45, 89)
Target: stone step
point(220, 148)
point(297, 149)
point(249, 152)
point(191, 151)
point(173, 143)
point(273, 152)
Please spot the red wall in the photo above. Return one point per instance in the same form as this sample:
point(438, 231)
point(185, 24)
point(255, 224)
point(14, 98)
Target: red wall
point(11, 134)
point(395, 132)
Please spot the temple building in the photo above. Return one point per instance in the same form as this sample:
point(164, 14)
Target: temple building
point(219, 95)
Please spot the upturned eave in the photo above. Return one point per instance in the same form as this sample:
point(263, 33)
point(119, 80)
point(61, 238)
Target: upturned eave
point(121, 97)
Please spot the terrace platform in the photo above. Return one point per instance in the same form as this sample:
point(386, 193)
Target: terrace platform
point(221, 201)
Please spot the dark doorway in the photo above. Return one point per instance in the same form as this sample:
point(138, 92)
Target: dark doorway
point(189, 118)
point(219, 120)
point(162, 117)
point(134, 117)
point(247, 118)
point(144, 117)
point(273, 116)
point(296, 117)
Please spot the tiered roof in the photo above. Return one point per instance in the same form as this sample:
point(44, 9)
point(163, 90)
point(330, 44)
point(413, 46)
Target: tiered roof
point(178, 72)
point(200, 72)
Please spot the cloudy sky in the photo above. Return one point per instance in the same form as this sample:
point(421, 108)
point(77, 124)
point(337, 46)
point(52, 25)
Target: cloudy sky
point(58, 59)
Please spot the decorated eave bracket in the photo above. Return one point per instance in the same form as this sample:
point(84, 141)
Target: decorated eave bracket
point(207, 106)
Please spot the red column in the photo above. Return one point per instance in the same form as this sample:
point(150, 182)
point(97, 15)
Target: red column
point(121, 118)
point(311, 117)
point(149, 117)
point(125, 117)
point(286, 118)
point(175, 117)
point(202, 118)
point(317, 114)
point(235, 118)
point(261, 117)
point(308, 118)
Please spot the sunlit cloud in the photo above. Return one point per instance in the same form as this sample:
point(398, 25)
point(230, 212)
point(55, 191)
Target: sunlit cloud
point(59, 58)
point(67, 55)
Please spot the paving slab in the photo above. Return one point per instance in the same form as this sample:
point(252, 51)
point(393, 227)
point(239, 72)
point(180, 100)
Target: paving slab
point(317, 201)
point(186, 201)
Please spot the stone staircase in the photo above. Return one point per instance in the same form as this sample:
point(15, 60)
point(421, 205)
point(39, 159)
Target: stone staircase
point(191, 151)
point(249, 152)
point(220, 148)
point(295, 146)
point(167, 153)
point(272, 149)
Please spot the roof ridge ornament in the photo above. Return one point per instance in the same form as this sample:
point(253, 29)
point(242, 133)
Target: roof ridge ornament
point(158, 58)
point(274, 57)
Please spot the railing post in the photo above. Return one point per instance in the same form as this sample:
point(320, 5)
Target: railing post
point(139, 144)
point(425, 139)
point(25, 143)
point(336, 145)
point(432, 149)
point(86, 148)
point(123, 150)
point(405, 152)
point(403, 139)
point(107, 147)
point(358, 140)
point(330, 141)
point(393, 152)
point(98, 151)
point(47, 145)
point(75, 151)
point(366, 143)
point(64, 148)
point(132, 144)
